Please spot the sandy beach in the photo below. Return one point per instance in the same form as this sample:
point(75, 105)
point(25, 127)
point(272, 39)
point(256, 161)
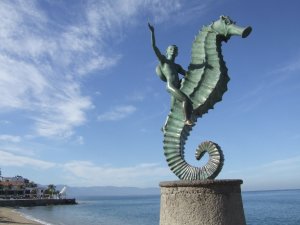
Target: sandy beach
point(10, 217)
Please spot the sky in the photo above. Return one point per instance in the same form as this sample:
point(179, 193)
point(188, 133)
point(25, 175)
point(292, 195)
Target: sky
point(81, 105)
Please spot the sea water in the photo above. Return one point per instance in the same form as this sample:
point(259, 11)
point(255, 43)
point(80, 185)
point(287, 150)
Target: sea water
point(272, 207)
point(115, 210)
point(261, 208)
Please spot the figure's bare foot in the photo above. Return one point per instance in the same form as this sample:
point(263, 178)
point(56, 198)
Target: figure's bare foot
point(189, 122)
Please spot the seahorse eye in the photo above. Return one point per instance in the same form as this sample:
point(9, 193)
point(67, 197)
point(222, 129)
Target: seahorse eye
point(227, 21)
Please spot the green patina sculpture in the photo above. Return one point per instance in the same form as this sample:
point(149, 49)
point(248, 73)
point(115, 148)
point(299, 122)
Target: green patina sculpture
point(203, 86)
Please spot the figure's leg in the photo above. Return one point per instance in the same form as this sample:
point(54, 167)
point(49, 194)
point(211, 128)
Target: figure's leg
point(172, 101)
point(188, 109)
point(186, 103)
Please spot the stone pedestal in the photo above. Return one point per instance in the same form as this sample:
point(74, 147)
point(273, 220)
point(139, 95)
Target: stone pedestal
point(204, 202)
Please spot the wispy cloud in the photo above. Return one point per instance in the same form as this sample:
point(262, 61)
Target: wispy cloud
point(98, 63)
point(10, 138)
point(180, 12)
point(136, 97)
point(291, 66)
point(283, 165)
point(118, 113)
point(88, 174)
point(10, 159)
point(42, 62)
point(56, 107)
point(80, 140)
point(163, 10)
point(66, 112)
point(20, 22)
point(279, 174)
point(275, 81)
point(16, 150)
point(276, 165)
point(115, 14)
point(4, 122)
point(37, 65)
point(19, 83)
point(28, 80)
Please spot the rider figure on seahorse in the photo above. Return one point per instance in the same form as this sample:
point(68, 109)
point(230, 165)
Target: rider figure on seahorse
point(168, 71)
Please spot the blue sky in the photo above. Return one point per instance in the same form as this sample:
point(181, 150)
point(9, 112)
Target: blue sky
point(80, 103)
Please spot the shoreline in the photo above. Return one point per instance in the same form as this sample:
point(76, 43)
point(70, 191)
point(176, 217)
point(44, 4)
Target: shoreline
point(36, 202)
point(10, 216)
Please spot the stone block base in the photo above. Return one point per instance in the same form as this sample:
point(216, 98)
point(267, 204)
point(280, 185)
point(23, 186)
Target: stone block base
point(204, 202)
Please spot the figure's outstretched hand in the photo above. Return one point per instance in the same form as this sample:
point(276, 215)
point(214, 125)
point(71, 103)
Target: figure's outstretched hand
point(151, 27)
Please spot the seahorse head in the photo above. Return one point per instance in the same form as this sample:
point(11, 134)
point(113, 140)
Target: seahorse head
point(226, 27)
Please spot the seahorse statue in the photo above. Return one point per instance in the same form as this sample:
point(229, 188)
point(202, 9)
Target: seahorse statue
point(204, 85)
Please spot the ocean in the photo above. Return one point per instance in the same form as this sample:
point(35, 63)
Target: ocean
point(261, 208)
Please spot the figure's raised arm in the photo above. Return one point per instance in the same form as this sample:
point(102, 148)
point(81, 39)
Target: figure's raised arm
point(156, 50)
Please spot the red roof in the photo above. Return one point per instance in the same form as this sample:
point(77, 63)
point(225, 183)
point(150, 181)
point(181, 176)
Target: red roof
point(12, 183)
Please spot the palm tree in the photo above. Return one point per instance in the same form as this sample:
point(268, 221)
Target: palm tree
point(1, 188)
point(10, 192)
point(33, 193)
point(51, 190)
point(31, 184)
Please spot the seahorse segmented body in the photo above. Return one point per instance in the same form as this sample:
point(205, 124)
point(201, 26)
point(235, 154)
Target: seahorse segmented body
point(205, 84)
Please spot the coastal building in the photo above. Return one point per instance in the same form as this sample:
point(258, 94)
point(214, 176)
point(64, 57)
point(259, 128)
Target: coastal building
point(18, 191)
point(18, 187)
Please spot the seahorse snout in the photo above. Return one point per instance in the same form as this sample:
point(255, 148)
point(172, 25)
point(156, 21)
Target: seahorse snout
point(246, 32)
point(236, 30)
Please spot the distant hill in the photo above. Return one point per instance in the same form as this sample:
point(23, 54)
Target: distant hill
point(108, 191)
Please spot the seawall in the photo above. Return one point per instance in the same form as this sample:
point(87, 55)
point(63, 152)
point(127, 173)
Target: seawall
point(36, 202)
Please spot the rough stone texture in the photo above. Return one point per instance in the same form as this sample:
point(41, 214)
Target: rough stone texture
point(204, 202)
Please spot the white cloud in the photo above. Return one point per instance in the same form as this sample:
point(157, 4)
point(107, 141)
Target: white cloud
point(84, 173)
point(10, 159)
point(15, 149)
point(163, 10)
point(19, 83)
point(57, 106)
point(98, 63)
point(41, 61)
point(117, 113)
point(63, 112)
point(112, 16)
point(32, 76)
point(10, 138)
point(17, 36)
